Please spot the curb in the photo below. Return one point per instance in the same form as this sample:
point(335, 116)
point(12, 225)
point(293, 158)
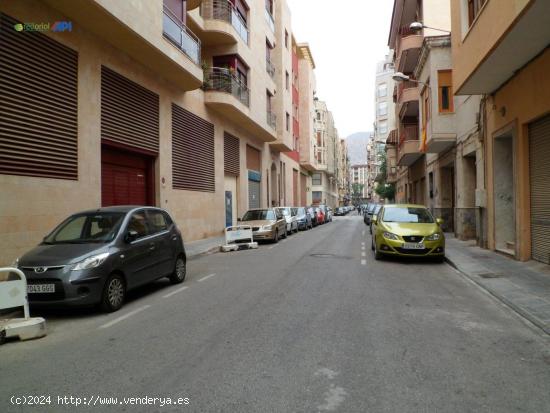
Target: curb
point(525, 314)
point(209, 251)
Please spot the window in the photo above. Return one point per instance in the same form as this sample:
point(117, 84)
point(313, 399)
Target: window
point(317, 197)
point(157, 221)
point(445, 90)
point(286, 39)
point(382, 109)
point(382, 127)
point(287, 80)
point(318, 115)
point(382, 90)
point(474, 7)
point(138, 223)
point(287, 122)
point(316, 179)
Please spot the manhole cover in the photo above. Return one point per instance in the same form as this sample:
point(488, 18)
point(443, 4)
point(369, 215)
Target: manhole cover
point(490, 275)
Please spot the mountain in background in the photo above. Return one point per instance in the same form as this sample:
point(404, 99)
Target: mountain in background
point(357, 147)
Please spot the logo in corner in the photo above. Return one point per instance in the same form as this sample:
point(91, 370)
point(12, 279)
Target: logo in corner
point(18, 27)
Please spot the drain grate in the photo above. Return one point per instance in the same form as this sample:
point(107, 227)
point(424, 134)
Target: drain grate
point(490, 275)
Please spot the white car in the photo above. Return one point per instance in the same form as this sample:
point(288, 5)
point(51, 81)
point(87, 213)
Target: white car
point(290, 216)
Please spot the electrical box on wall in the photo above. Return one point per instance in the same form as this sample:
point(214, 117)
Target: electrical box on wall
point(481, 198)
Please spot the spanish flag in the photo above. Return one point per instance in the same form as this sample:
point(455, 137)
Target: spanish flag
point(423, 141)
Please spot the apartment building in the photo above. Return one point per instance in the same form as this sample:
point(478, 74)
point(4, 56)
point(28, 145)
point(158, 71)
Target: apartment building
point(343, 174)
point(500, 50)
point(359, 175)
point(324, 180)
point(186, 105)
point(384, 120)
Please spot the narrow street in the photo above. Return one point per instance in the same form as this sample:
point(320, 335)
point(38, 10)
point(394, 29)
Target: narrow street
point(311, 324)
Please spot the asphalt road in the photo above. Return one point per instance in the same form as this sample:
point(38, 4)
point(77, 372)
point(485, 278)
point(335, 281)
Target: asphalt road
point(311, 324)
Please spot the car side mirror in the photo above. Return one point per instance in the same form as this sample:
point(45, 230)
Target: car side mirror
point(439, 221)
point(131, 236)
point(239, 220)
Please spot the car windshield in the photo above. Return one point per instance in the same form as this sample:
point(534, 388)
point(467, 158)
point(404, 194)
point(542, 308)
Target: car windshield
point(408, 215)
point(259, 215)
point(86, 228)
point(377, 208)
point(285, 211)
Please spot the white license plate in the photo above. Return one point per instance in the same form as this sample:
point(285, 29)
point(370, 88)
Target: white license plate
point(413, 246)
point(40, 288)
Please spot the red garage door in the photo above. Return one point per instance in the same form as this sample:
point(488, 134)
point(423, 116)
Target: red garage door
point(126, 178)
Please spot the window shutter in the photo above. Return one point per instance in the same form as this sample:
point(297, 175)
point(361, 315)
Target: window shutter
point(38, 104)
point(129, 112)
point(231, 154)
point(192, 151)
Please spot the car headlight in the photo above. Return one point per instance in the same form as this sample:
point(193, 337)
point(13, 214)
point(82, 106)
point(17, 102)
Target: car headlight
point(267, 227)
point(389, 235)
point(15, 263)
point(434, 237)
point(91, 262)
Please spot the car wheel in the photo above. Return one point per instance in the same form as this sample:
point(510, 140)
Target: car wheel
point(377, 255)
point(114, 293)
point(276, 236)
point(180, 270)
point(372, 244)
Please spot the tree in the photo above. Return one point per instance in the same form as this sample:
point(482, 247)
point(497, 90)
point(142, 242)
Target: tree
point(357, 192)
point(383, 189)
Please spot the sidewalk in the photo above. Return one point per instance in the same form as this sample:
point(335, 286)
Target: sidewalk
point(524, 286)
point(203, 246)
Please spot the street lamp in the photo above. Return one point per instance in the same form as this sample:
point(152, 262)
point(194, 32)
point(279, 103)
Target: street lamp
point(401, 77)
point(417, 26)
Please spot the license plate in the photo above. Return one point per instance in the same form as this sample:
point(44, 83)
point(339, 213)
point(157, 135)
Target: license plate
point(413, 246)
point(40, 288)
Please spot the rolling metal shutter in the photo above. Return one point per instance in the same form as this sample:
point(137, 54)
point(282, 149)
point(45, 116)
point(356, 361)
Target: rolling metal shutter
point(38, 104)
point(253, 194)
point(539, 165)
point(231, 154)
point(303, 186)
point(192, 152)
point(129, 112)
point(295, 200)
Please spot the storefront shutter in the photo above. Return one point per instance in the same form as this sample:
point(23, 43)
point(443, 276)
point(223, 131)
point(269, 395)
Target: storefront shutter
point(231, 154)
point(539, 148)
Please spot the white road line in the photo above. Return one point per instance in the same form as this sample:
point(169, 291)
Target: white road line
point(363, 248)
point(362, 244)
point(363, 262)
point(363, 254)
point(175, 292)
point(363, 232)
point(124, 317)
point(206, 277)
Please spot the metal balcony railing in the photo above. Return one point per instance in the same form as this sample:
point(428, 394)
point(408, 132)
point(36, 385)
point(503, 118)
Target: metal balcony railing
point(270, 20)
point(224, 10)
point(408, 133)
point(407, 84)
point(180, 35)
point(270, 67)
point(272, 119)
point(223, 80)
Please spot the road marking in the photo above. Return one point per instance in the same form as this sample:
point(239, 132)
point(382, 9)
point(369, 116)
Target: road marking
point(206, 277)
point(363, 262)
point(362, 247)
point(124, 317)
point(362, 244)
point(363, 254)
point(175, 292)
point(363, 232)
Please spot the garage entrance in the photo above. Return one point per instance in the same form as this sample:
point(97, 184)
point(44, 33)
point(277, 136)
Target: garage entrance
point(126, 178)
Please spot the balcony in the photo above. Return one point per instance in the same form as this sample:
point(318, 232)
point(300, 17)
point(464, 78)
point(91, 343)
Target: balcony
point(408, 50)
point(272, 120)
point(408, 150)
point(492, 53)
point(408, 98)
point(230, 97)
point(193, 4)
point(146, 34)
point(222, 24)
point(270, 21)
point(270, 68)
point(183, 38)
point(438, 142)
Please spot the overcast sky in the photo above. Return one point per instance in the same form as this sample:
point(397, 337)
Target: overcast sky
point(347, 38)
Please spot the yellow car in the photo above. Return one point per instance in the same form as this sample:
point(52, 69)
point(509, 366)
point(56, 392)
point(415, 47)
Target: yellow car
point(407, 230)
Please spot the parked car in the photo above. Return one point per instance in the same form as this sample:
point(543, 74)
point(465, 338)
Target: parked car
point(320, 215)
point(339, 212)
point(367, 215)
point(374, 213)
point(303, 218)
point(326, 214)
point(313, 215)
point(407, 230)
point(329, 214)
point(94, 257)
point(290, 217)
point(267, 224)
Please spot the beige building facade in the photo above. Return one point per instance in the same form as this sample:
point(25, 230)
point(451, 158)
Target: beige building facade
point(178, 104)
